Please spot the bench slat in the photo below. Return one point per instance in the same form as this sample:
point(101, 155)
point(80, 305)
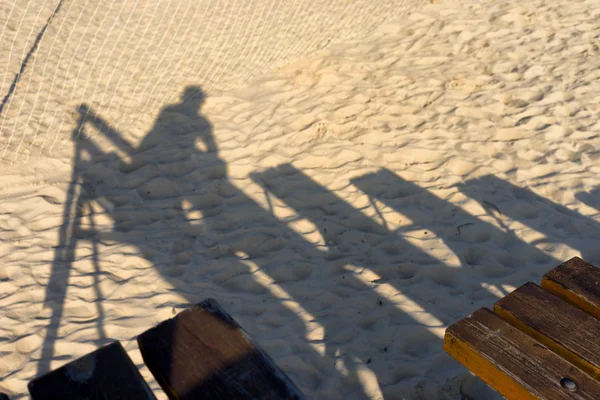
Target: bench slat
point(203, 353)
point(577, 282)
point(107, 373)
point(564, 328)
point(513, 363)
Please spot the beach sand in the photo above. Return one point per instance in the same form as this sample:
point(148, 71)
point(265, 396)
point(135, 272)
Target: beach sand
point(345, 208)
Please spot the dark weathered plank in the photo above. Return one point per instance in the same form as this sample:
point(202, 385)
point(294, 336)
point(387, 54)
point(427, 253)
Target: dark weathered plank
point(513, 363)
point(107, 373)
point(564, 328)
point(577, 282)
point(203, 353)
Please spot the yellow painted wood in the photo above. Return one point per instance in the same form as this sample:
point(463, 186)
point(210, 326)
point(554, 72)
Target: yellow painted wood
point(560, 326)
point(571, 296)
point(513, 363)
point(537, 336)
point(577, 282)
point(468, 356)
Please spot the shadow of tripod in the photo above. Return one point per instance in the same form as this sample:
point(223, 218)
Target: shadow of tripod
point(83, 190)
point(179, 153)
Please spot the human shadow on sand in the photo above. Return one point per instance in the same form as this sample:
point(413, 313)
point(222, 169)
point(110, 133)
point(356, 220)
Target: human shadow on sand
point(152, 197)
point(171, 198)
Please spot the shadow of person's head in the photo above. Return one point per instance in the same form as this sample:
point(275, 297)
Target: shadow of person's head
point(192, 99)
point(193, 93)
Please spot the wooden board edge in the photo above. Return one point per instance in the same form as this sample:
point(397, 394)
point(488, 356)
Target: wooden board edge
point(566, 294)
point(171, 394)
point(464, 353)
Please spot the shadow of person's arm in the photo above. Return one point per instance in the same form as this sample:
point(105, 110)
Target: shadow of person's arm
point(209, 141)
point(88, 115)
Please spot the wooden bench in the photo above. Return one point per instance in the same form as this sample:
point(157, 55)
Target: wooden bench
point(202, 353)
point(539, 342)
point(106, 373)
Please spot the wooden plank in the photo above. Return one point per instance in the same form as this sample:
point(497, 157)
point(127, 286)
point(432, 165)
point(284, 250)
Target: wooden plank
point(564, 328)
point(107, 373)
point(203, 353)
point(577, 282)
point(513, 363)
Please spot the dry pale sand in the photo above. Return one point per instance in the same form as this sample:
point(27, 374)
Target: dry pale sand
point(345, 209)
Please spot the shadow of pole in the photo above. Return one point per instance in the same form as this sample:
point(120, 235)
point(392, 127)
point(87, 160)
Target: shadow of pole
point(64, 255)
